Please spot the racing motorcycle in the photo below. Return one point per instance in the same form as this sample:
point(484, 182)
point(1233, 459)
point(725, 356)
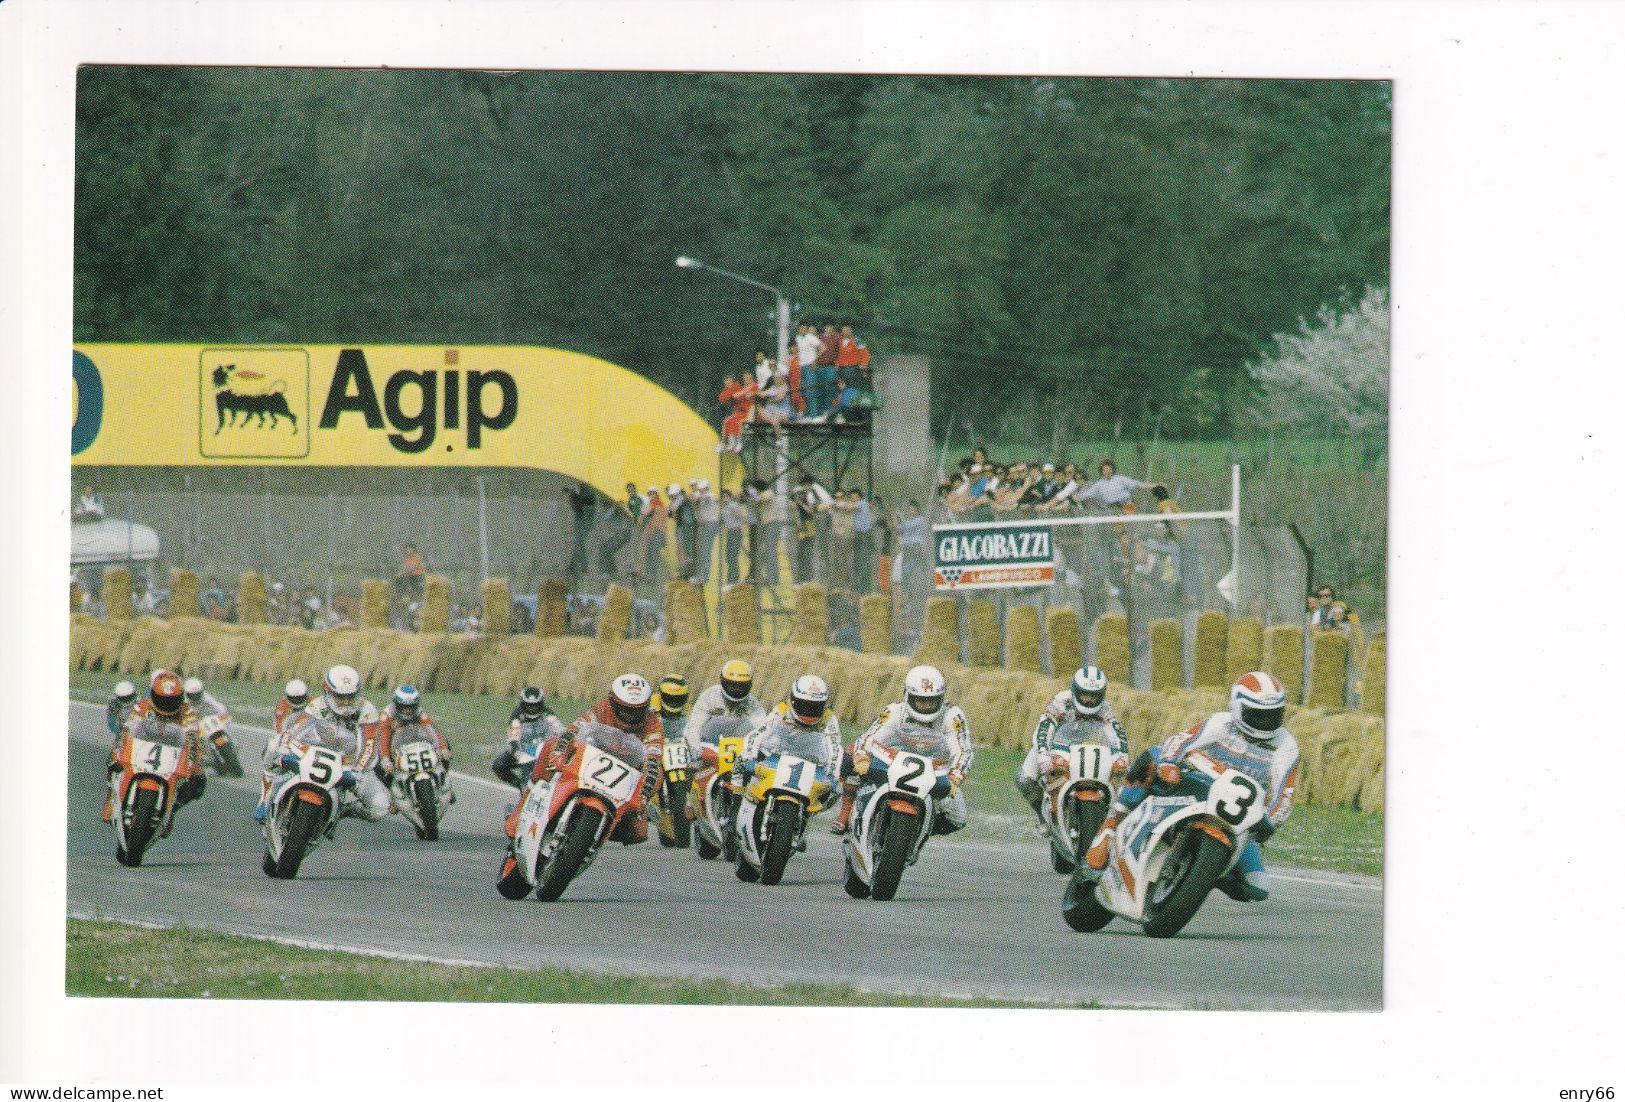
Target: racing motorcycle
point(1079, 791)
point(718, 802)
point(418, 782)
point(784, 790)
point(567, 817)
point(304, 805)
point(222, 752)
point(1170, 851)
point(669, 814)
point(149, 765)
point(896, 808)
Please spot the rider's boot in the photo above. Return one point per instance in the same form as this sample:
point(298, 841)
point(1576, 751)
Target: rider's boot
point(1246, 882)
point(1095, 859)
point(843, 816)
point(1032, 792)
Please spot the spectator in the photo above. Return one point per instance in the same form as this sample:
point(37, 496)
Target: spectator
point(775, 401)
point(409, 581)
point(622, 522)
point(773, 517)
point(89, 506)
point(811, 501)
point(1071, 483)
point(733, 533)
point(842, 539)
point(807, 346)
point(764, 370)
point(913, 536)
point(707, 518)
point(681, 508)
point(1320, 606)
point(1112, 490)
point(1013, 489)
point(583, 504)
point(863, 543)
point(792, 376)
point(1043, 488)
point(822, 399)
point(741, 396)
point(651, 541)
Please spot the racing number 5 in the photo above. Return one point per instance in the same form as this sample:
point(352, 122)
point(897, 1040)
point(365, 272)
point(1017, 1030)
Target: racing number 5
point(1235, 813)
point(321, 766)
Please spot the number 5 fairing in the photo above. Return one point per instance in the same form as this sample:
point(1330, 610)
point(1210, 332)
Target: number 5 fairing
point(568, 814)
point(305, 800)
point(786, 771)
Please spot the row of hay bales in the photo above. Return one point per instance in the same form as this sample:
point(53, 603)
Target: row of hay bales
point(1342, 752)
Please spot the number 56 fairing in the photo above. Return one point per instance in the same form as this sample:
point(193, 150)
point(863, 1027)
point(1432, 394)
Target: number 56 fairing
point(566, 817)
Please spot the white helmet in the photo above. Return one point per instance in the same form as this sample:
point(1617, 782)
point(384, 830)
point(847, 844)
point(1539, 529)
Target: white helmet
point(1089, 691)
point(809, 699)
point(342, 691)
point(1257, 705)
point(297, 692)
point(924, 690)
point(629, 698)
point(194, 690)
point(124, 692)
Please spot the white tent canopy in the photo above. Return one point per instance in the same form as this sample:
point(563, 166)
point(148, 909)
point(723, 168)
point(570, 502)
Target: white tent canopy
point(113, 541)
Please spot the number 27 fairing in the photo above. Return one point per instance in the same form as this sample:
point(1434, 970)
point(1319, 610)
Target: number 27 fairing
point(566, 818)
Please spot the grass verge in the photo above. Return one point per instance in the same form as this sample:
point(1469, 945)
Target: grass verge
point(112, 960)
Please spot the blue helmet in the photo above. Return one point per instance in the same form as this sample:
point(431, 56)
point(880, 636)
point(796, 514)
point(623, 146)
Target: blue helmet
point(407, 701)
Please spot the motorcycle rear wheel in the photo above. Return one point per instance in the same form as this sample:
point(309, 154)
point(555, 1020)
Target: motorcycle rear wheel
point(143, 822)
point(423, 794)
point(581, 835)
point(895, 848)
point(708, 852)
point(782, 824)
point(1187, 876)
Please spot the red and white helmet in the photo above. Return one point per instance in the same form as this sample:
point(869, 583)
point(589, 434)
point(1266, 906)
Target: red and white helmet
point(1257, 705)
point(924, 690)
point(629, 699)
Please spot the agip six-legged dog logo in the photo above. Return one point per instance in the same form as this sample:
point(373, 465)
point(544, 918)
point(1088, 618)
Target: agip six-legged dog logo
point(254, 403)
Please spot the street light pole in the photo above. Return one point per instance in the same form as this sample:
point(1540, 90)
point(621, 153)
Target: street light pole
point(783, 345)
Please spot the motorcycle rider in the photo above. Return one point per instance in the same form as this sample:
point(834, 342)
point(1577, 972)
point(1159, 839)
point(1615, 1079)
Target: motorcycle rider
point(1084, 700)
point(118, 709)
point(207, 705)
point(730, 698)
point(531, 723)
point(1248, 737)
point(626, 708)
point(295, 695)
point(807, 710)
point(342, 705)
point(671, 701)
point(923, 710)
point(166, 700)
point(405, 709)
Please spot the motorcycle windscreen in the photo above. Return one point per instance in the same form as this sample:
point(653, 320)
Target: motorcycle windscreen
point(612, 740)
point(917, 740)
point(801, 743)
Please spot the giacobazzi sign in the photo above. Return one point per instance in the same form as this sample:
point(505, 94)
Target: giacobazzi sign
point(987, 556)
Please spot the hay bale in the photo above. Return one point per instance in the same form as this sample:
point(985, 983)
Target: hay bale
point(1283, 657)
point(1328, 670)
point(1167, 654)
point(741, 614)
point(1111, 647)
point(1065, 641)
point(434, 615)
point(685, 612)
point(1244, 649)
point(118, 593)
point(616, 619)
point(1023, 647)
point(1342, 755)
point(496, 600)
point(374, 603)
point(810, 627)
point(874, 623)
point(1212, 635)
point(551, 618)
point(252, 602)
point(939, 637)
point(982, 632)
point(183, 598)
point(1374, 683)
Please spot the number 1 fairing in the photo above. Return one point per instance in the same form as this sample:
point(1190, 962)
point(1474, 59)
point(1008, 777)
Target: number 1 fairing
point(786, 772)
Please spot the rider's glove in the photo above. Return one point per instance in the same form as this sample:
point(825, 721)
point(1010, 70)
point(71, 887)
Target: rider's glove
point(860, 762)
point(350, 779)
point(1119, 766)
point(1168, 773)
point(289, 760)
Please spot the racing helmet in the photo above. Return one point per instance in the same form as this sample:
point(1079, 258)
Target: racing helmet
point(341, 689)
point(532, 703)
point(194, 691)
point(167, 693)
point(1257, 705)
point(924, 690)
point(124, 692)
point(809, 699)
point(737, 679)
point(407, 701)
point(1089, 691)
point(297, 692)
point(673, 694)
point(629, 699)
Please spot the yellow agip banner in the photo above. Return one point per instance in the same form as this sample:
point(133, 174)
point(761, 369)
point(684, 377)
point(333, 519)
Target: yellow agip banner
point(383, 406)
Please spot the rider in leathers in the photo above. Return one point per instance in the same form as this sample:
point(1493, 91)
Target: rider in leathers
point(627, 708)
point(1249, 738)
point(1084, 700)
point(341, 705)
point(731, 698)
point(923, 712)
point(807, 711)
point(166, 700)
point(404, 717)
point(531, 721)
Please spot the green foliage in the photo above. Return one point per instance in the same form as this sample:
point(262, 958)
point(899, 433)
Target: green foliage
point(1083, 250)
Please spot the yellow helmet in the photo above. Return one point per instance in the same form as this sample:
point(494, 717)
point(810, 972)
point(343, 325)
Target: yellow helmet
point(672, 697)
point(737, 679)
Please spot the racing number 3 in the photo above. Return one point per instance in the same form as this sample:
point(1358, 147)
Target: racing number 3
point(1235, 813)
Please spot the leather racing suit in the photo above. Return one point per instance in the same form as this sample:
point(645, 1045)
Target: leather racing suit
point(712, 704)
point(948, 729)
point(634, 823)
point(369, 800)
point(1061, 710)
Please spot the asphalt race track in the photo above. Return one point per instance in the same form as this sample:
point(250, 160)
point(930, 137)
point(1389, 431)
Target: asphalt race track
point(970, 919)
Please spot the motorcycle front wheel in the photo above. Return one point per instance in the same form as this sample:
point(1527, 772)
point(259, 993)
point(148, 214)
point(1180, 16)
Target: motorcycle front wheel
point(1187, 876)
point(1079, 906)
point(677, 807)
point(901, 831)
point(138, 834)
point(580, 836)
point(228, 764)
point(423, 794)
point(304, 822)
point(782, 826)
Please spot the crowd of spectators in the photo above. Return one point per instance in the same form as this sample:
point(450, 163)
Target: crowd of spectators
point(1327, 613)
point(823, 377)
